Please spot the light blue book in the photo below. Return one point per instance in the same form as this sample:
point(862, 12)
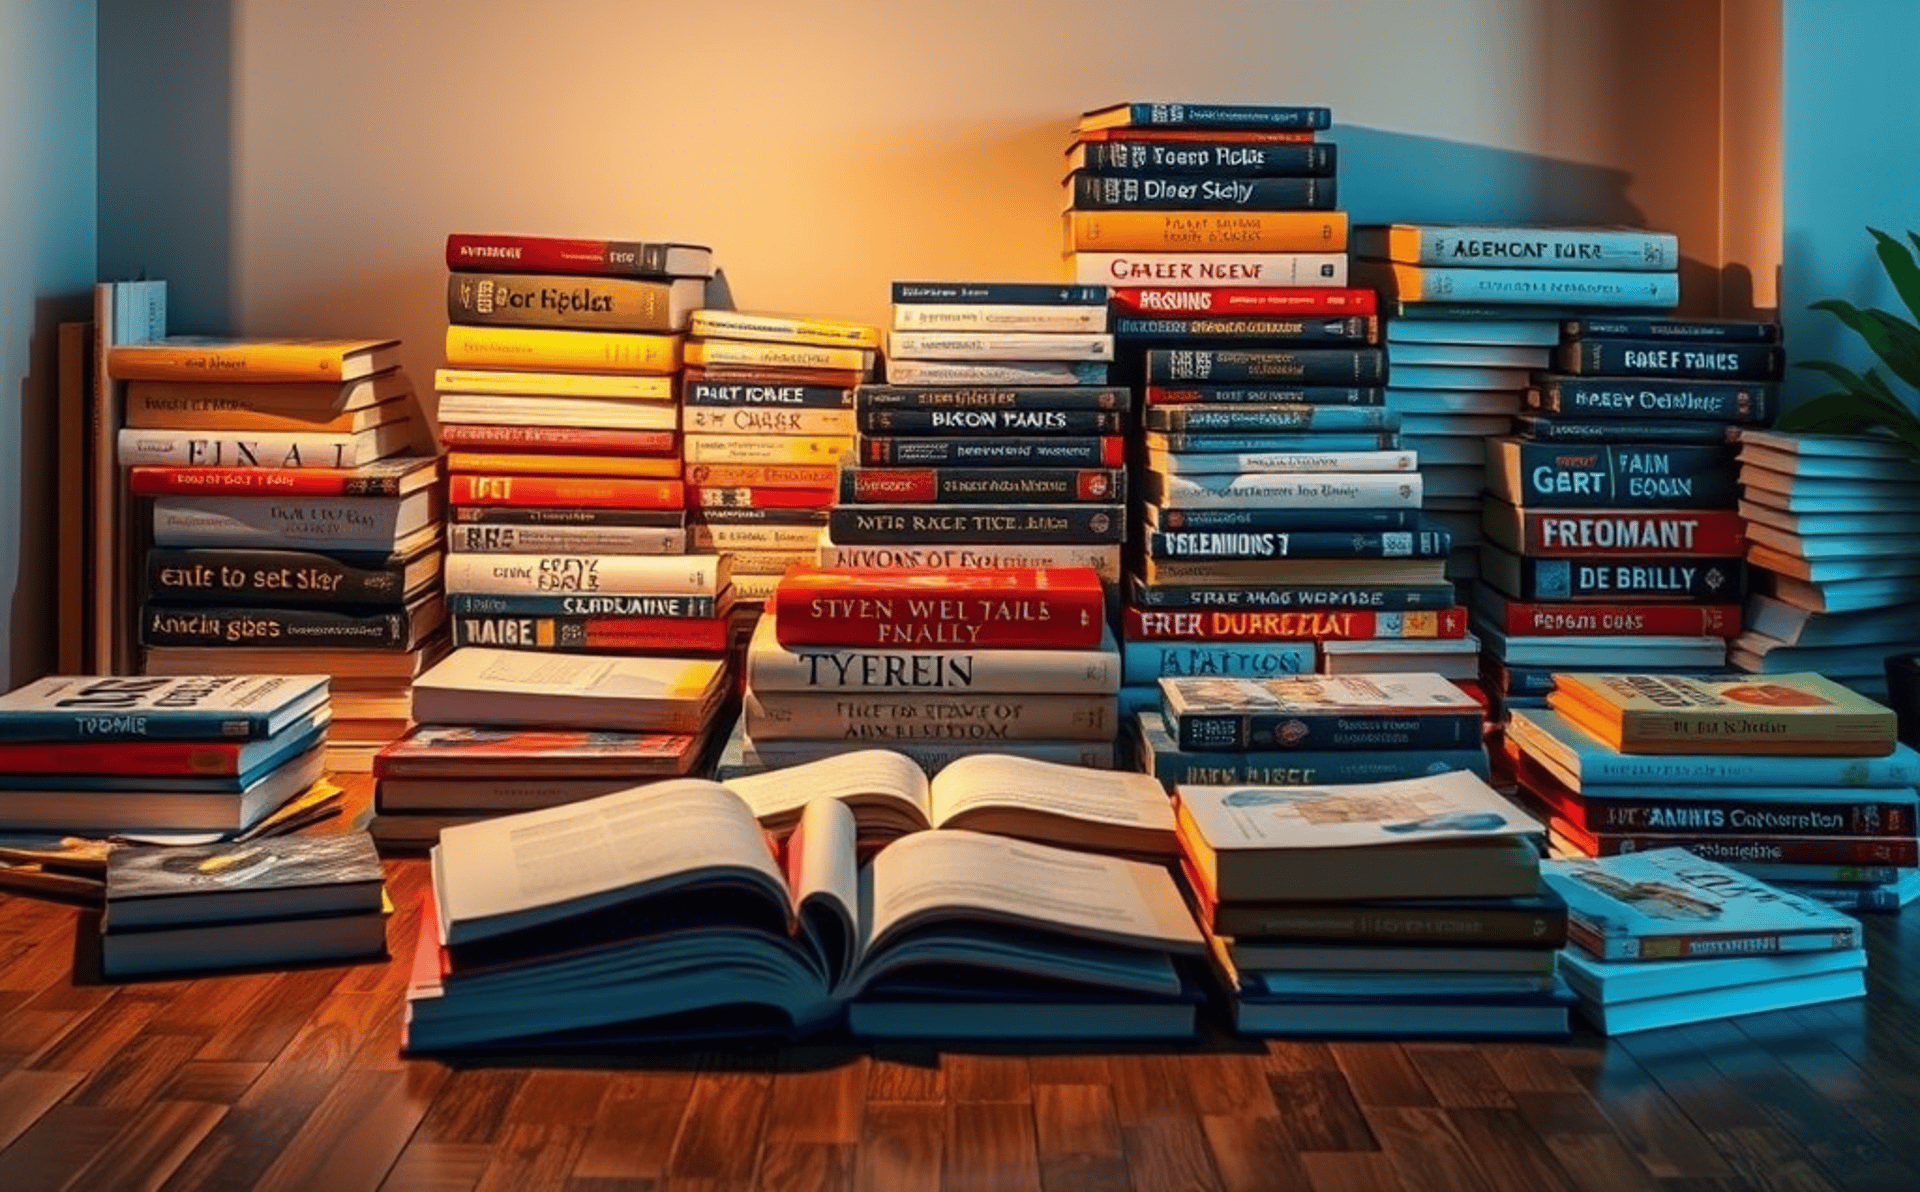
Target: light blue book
point(1445, 376)
point(1875, 522)
point(1836, 546)
point(1612, 982)
point(1518, 332)
point(1627, 653)
point(1147, 662)
point(1371, 987)
point(1667, 904)
point(1840, 484)
point(1476, 425)
point(1879, 896)
point(1852, 875)
point(1452, 401)
point(1716, 1004)
point(1829, 467)
point(1856, 595)
point(1589, 762)
point(1832, 571)
point(1465, 355)
point(1764, 656)
point(1461, 451)
point(1808, 446)
point(1797, 627)
point(1826, 496)
point(1136, 699)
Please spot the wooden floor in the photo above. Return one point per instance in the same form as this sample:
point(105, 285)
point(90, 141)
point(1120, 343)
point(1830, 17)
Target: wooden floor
point(294, 1081)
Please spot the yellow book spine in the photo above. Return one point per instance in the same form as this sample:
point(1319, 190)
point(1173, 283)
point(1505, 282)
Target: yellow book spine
point(489, 381)
point(265, 360)
point(532, 464)
point(765, 420)
point(771, 355)
point(780, 328)
point(561, 351)
point(766, 449)
point(1206, 231)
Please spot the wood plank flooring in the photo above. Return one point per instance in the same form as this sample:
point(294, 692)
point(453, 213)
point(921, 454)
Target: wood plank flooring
point(293, 1081)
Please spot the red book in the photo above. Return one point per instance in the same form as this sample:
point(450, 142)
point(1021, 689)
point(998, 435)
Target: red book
point(562, 440)
point(702, 496)
point(385, 478)
point(1005, 608)
point(1582, 533)
point(147, 759)
point(695, 635)
point(1101, 451)
point(1774, 850)
point(1268, 624)
point(598, 492)
point(1280, 300)
point(554, 254)
point(1520, 618)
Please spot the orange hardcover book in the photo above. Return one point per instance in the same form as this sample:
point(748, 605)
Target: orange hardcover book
point(1002, 608)
point(710, 353)
point(592, 491)
point(199, 358)
point(1780, 714)
point(260, 405)
point(1206, 231)
point(832, 378)
point(654, 467)
point(550, 350)
point(762, 475)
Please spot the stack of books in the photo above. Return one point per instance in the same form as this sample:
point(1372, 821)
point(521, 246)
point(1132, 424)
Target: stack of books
point(767, 413)
point(172, 911)
point(1310, 730)
point(936, 664)
point(1833, 534)
point(1395, 908)
point(291, 531)
point(1623, 549)
point(1792, 779)
point(859, 913)
point(558, 405)
point(1471, 315)
point(1666, 938)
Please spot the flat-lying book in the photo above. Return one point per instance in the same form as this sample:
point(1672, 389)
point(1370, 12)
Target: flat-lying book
point(280, 878)
point(890, 795)
point(666, 903)
point(480, 686)
point(231, 707)
point(1797, 713)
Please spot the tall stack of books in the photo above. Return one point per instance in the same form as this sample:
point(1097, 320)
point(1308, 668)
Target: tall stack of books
point(1792, 779)
point(767, 412)
point(1666, 938)
point(936, 664)
point(1471, 314)
point(291, 531)
point(1390, 908)
point(1833, 535)
point(1622, 550)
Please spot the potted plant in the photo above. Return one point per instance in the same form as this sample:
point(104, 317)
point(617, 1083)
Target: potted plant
point(1869, 404)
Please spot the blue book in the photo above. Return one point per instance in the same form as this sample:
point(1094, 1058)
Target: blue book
point(1715, 1004)
point(1876, 522)
point(1783, 873)
point(1473, 355)
point(213, 708)
point(1161, 756)
point(1452, 401)
point(1668, 904)
point(1611, 981)
point(1403, 711)
point(258, 758)
point(1586, 287)
point(1878, 896)
point(1375, 987)
point(1138, 698)
point(1456, 376)
point(1206, 115)
point(1191, 419)
point(1797, 627)
point(1541, 333)
point(1438, 1015)
point(1145, 662)
point(1855, 595)
point(1588, 763)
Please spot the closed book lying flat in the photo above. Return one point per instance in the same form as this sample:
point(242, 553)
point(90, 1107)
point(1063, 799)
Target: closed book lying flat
point(277, 878)
point(112, 812)
point(484, 686)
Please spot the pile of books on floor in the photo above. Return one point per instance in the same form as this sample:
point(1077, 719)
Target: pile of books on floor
point(1471, 315)
point(1666, 938)
point(1623, 550)
point(87, 760)
point(886, 905)
point(767, 413)
point(1833, 534)
point(936, 664)
point(1791, 779)
point(292, 533)
point(1400, 908)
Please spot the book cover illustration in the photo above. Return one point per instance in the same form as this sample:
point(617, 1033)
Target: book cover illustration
point(1453, 806)
point(276, 864)
point(433, 741)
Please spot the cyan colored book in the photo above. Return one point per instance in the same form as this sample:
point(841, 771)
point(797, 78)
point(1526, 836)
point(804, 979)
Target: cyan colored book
point(100, 708)
point(1147, 661)
point(1537, 332)
point(1451, 401)
point(1590, 763)
point(1483, 355)
point(1373, 987)
point(1161, 757)
point(1612, 982)
point(1716, 1004)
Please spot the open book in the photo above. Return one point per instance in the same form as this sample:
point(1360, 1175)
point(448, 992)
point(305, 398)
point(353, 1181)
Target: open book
point(890, 795)
point(666, 904)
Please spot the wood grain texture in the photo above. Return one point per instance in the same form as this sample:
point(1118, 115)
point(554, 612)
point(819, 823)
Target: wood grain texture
point(294, 1080)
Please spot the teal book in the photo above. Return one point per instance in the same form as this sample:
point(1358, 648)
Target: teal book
point(105, 708)
point(1714, 1004)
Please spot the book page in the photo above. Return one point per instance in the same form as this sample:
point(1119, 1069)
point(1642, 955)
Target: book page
point(824, 874)
point(1073, 792)
point(520, 870)
point(867, 773)
point(951, 873)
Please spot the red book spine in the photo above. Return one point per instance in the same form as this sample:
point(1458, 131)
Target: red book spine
point(1578, 533)
point(293, 482)
point(553, 254)
point(1062, 609)
point(590, 492)
point(749, 497)
point(810, 476)
point(1256, 625)
point(707, 636)
point(1522, 619)
point(1282, 300)
point(145, 758)
point(1779, 850)
point(564, 440)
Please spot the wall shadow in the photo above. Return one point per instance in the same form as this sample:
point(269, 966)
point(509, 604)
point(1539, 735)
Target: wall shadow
point(1394, 177)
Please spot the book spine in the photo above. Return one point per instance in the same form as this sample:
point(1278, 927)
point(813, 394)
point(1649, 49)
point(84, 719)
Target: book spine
point(1523, 619)
point(1327, 490)
point(877, 398)
point(665, 575)
point(1266, 625)
point(1003, 372)
point(549, 254)
point(1212, 442)
point(993, 422)
point(289, 450)
point(1645, 327)
point(1549, 248)
point(899, 716)
point(1664, 358)
point(345, 524)
point(1062, 672)
point(808, 476)
point(551, 350)
point(1670, 476)
point(764, 449)
point(518, 384)
point(1233, 463)
point(1226, 159)
point(157, 759)
point(1348, 767)
point(1214, 732)
point(1270, 419)
point(765, 420)
point(1147, 662)
point(994, 346)
point(1360, 329)
point(1031, 619)
point(1305, 366)
point(1227, 116)
point(1014, 524)
point(807, 397)
point(1530, 286)
point(467, 489)
point(1210, 268)
point(953, 316)
point(535, 515)
point(733, 324)
point(1650, 578)
point(1214, 544)
point(1009, 452)
point(570, 605)
point(1577, 533)
point(1617, 430)
point(527, 463)
point(677, 634)
point(275, 627)
point(270, 576)
point(1195, 231)
point(571, 440)
point(548, 300)
point(1748, 850)
point(1297, 301)
point(298, 482)
point(1388, 925)
point(706, 498)
point(750, 354)
point(1266, 395)
point(1181, 192)
point(1102, 559)
point(1385, 599)
point(998, 293)
point(982, 486)
point(574, 540)
point(1739, 818)
point(761, 536)
point(1651, 398)
point(1315, 520)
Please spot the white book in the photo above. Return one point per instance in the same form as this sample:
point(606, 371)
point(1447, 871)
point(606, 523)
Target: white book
point(1103, 559)
point(1210, 269)
point(380, 525)
point(534, 689)
point(876, 717)
point(999, 345)
point(999, 372)
point(528, 384)
point(264, 449)
point(955, 316)
point(1330, 490)
point(492, 539)
point(515, 410)
point(622, 575)
point(772, 667)
point(1226, 463)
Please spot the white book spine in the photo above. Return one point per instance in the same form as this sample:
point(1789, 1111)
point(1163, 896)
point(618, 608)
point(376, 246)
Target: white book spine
point(774, 668)
point(292, 449)
point(907, 716)
point(583, 540)
point(664, 575)
point(1269, 462)
point(489, 410)
point(1209, 269)
point(1035, 372)
point(1333, 490)
point(998, 345)
point(757, 536)
point(988, 317)
point(1103, 559)
point(338, 523)
point(523, 384)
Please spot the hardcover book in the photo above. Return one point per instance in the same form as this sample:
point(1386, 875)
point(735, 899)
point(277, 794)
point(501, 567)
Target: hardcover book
point(1794, 713)
point(1015, 607)
point(1196, 115)
point(438, 751)
point(1264, 233)
point(772, 667)
point(483, 686)
point(1521, 286)
point(783, 329)
point(395, 477)
point(1320, 712)
point(574, 302)
point(556, 254)
point(192, 357)
point(1510, 246)
point(277, 878)
point(208, 707)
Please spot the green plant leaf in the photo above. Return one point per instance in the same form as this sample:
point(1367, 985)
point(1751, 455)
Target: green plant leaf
point(1871, 385)
point(1900, 267)
point(1849, 413)
point(1893, 339)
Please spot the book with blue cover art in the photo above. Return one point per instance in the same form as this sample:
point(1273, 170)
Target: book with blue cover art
point(1668, 904)
point(107, 708)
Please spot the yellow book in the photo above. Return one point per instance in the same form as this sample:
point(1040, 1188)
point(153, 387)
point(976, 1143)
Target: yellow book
point(1761, 714)
point(532, 464)
point(830, 333)
point(1206, 231)
point(200, 358)
point(705, 352)
point(513, 383)
point(765, 449)
point(547, 350)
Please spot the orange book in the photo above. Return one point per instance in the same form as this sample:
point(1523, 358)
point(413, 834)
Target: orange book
point(763, 475)
point(199, 358)
point(550, 350)
point(592, 492)
point(269, 405)
point(656, 467)
point(1778, 714)
point(1206, 231)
